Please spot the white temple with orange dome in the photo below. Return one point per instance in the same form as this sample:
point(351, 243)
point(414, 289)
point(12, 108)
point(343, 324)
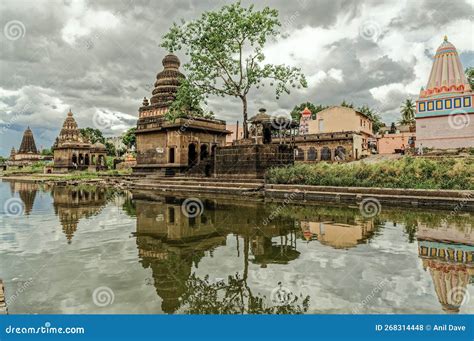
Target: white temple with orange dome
point(444, 110)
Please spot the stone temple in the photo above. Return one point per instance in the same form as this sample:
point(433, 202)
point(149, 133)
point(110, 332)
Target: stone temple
point(73, 152)
point(27, 154)
point(445, 109)
point(185, 145)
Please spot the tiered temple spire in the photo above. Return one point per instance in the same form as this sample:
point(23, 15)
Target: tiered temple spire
point(447, 74)
point(167, 82)
point(28, 145)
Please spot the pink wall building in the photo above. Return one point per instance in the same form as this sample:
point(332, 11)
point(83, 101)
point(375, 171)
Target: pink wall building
point(445, 110)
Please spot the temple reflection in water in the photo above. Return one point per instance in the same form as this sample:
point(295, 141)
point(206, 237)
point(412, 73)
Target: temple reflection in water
point(450, 263)
point(71, 204)
point(27, 192)
point(171, 244)
point(177, 250)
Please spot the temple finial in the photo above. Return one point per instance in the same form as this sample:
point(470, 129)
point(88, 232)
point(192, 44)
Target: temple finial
point(445, 38)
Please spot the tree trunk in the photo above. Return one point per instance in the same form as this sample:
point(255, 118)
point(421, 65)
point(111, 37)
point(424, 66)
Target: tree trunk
point(244, 111)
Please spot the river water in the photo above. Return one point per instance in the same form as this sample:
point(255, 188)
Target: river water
point(93, 250)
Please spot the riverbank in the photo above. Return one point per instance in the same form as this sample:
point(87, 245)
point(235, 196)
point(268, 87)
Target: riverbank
point(3, 304)
point(446, 173)
point(257, 189)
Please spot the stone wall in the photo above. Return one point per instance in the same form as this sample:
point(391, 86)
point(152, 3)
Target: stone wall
point(251, 161)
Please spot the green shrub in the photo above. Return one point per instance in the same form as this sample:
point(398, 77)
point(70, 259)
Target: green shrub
point(409, 172)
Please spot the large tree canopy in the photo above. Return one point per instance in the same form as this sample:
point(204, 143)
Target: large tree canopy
point(225, 50)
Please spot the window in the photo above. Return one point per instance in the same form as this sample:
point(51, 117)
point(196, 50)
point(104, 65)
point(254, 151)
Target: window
point(439, 105)
point(448, 104)
point(421, 106)
point(467, 101)
point(457, 102)
point(430, 106)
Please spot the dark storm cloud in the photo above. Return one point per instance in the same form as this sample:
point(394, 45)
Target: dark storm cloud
point(103, 56)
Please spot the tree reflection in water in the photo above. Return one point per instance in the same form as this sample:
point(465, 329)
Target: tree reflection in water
point(234, 297)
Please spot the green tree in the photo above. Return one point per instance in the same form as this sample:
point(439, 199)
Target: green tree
point(47, 152)
point(93, 135)
point(374, 117)
point(408, 112)
point(129, 138)
point(111, 151)
point(296, 112)
point(225, 48)
point(470, 76)
point(346, 104)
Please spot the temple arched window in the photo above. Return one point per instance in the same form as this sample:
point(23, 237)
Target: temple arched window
point(312, 154)
point(325, 154)
point(299, 154)
point(340, 153)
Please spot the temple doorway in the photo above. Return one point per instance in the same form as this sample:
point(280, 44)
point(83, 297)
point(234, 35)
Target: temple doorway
point(192, 154)
point(204, 151)
point(171, 155)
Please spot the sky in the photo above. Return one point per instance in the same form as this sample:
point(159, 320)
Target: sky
point(100, 58)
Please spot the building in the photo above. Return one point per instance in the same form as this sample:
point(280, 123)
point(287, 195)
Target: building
point(73, 152)
point(184, 145)
point(445, 110)
point(27, 154)
point(335, 134)
point(395, 139)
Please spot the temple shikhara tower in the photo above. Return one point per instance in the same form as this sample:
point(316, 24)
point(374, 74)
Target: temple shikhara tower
point(73, 152)
point(171, 147)
point(444, 110)
point(27, 154)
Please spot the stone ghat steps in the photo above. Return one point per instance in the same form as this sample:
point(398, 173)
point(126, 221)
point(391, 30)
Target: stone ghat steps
point(364, 198)
point(367, 191)
point(3, 305)
point(189, 188)
point(202, 183)
point(204, 180)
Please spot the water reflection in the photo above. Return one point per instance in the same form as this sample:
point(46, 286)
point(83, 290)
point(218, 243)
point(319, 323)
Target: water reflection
point(449, 263)
point(233, 258)
point(172, 244)
point(27, 192)
point(71, 204)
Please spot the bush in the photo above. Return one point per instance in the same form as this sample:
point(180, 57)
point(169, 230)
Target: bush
point(409, 172)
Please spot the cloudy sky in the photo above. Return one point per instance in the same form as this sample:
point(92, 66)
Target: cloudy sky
point(100, 58)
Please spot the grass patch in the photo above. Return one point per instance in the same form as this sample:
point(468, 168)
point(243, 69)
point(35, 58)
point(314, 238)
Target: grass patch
point(408, 172)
